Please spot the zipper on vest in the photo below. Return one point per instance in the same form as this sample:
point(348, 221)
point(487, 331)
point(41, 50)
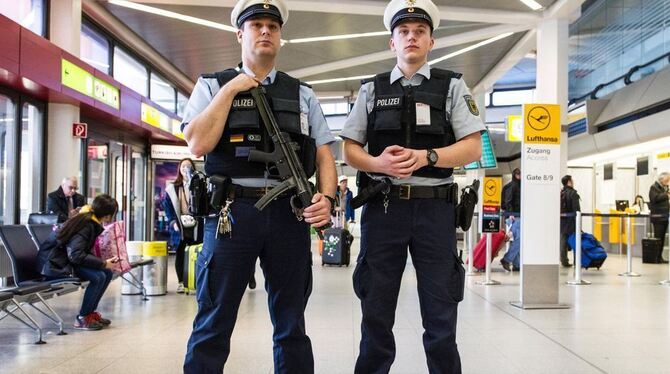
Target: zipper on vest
point(408, 116)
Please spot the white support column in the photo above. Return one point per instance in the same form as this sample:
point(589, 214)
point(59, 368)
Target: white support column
point(63, 150)
point(552, 73)
point(540, 207)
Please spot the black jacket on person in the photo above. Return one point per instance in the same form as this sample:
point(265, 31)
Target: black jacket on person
point(569, 204)
point(658, 202)
point(57, 203)
point(511, 195)
point(56, 258)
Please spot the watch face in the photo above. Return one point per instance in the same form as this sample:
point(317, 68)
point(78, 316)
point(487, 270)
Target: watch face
point(432, 156)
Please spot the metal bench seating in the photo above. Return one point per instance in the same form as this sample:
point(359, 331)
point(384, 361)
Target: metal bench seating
point(10, 305)
point(22, 252)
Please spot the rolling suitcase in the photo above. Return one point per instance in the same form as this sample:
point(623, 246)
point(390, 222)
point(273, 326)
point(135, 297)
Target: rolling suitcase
point(651, 250)
point(191, 253)
point(593, 253)
point(497, 240)
point(336, 247)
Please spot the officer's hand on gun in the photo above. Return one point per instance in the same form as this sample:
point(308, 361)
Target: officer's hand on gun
point(241, 83)
point(400, 162)
point(318, 214)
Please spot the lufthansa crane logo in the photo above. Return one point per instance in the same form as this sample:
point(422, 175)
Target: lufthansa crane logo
point(539, 118)
point(490, 188)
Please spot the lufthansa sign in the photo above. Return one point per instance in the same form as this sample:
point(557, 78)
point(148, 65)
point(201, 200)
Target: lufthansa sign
point(542, 124)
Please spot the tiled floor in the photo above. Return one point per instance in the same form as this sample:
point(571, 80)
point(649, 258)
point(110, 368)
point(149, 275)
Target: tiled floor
point(615, 325)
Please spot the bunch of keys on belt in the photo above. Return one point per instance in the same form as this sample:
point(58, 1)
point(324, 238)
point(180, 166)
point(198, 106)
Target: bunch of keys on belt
point(226, 220)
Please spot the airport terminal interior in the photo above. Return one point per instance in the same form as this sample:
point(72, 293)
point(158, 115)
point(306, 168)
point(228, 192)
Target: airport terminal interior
point(573, 96)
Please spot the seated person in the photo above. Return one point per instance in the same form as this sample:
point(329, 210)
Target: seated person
point(67, 253)
point(65, 201)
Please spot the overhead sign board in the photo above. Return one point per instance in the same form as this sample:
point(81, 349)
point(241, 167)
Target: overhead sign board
point(171, 152)
point(514, 131)
point(82, 81)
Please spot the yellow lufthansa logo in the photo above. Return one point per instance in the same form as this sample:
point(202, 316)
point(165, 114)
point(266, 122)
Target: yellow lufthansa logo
point(542, 124)
point(492, 190)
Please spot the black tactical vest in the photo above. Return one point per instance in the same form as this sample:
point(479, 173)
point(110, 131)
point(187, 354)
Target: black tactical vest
point(393, 117)
point(245, 131)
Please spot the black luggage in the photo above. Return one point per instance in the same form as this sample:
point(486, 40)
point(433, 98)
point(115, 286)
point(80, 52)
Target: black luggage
point(336, 247)
point(651, 250)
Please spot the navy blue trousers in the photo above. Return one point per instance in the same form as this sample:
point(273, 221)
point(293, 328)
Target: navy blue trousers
point(98, 282)
point(223, 271)
point(426, 227)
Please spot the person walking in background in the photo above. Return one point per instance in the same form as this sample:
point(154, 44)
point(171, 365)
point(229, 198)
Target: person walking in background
point(640, 206)
point(182, 226)
point(68, 252)
point(343, 197)
point(659, 205)
point(65, 201)
point(569, 204)
point(511, 204)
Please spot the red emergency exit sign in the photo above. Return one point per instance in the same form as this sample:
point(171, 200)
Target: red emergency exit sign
point(80, 130)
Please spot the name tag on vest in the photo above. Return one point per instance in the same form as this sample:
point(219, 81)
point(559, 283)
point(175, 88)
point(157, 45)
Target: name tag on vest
point(388, 102)
point(244, 103)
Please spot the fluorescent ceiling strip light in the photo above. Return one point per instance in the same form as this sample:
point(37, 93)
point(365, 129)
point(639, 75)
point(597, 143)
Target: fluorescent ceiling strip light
point(220, 26)
point(167, 13)
point(337, 37)
point(532, 4)
point(470, 48)
point(453, 54)
point(340, 79)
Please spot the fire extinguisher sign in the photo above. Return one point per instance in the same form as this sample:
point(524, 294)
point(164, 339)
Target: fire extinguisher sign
point(80, 130)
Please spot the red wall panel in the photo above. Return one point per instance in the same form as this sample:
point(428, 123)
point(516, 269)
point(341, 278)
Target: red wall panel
point(9, 45)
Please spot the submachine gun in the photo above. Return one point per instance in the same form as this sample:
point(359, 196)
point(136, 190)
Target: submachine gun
point(285, 158)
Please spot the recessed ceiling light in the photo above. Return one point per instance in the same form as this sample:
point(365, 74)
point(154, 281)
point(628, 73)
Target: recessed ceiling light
point(532, 4)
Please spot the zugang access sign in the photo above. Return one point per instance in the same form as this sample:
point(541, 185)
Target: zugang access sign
point(542, 124)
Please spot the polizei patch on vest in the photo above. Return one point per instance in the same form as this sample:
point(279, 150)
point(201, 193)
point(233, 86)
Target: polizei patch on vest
point(472, 106)
point(388, 102)
point(244, 103)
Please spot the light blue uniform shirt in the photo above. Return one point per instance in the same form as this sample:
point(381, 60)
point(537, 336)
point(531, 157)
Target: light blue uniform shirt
point(463, 121)
point(206, 88)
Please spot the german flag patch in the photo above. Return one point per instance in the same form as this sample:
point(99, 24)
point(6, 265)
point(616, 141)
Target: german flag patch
point(237, 138)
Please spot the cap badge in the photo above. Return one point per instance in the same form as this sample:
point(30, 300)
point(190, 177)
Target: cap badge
point(411, 4)
point(266, 4)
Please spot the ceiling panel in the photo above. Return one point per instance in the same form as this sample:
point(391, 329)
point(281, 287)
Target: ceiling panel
point(196, 49)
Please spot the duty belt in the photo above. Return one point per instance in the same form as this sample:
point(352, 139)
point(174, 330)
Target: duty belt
point(254, 192)
point(448, 192)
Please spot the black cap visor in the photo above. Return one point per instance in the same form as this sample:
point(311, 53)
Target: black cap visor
point(405, 15)
point(259, 10)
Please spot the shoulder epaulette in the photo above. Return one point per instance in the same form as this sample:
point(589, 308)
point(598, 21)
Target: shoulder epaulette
point(444, 74)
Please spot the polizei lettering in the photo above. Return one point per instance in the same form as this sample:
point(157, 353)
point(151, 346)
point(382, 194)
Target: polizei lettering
point(244, 103)
point(388, 102)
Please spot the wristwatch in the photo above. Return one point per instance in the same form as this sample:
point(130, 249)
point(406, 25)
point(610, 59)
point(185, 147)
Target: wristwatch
point(332, 204)
point(432, 157)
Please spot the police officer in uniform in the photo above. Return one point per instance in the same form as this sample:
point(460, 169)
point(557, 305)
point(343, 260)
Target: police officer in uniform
point(418, 123)
point(221, 121)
